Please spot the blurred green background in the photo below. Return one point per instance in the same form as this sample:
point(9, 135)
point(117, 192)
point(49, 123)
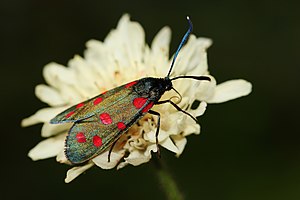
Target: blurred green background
point(248, 148)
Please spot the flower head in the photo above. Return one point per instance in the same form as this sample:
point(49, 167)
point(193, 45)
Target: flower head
point(123, 57)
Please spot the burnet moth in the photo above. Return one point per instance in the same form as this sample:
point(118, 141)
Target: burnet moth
point(100, 121)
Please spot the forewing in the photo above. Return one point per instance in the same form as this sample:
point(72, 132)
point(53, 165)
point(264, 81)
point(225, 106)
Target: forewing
point(97, 104)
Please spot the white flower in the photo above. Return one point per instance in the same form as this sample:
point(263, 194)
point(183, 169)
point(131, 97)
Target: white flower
point(122, 57)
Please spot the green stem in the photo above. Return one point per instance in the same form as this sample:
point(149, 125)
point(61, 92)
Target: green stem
point(167, 182)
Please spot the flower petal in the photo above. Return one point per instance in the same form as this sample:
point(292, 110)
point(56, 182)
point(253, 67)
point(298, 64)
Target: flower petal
point(230, 90)
point(199, 110)
point(42, 115)
point(47, 148)
point(49, 95)
point(205, 89)
point(86, 76)
point(193, 57)
point(168, 144)
point(158, 59)
point(191, 127)
point(56, 74)
point(64, 79)
point(151, 137)
point(122, 165)
point(76, 171)
point(61, 157)
point(137, 157)
point(54, 129)
point(151, 148)
point(129, 39)
point(180, 142)
point(102, 160)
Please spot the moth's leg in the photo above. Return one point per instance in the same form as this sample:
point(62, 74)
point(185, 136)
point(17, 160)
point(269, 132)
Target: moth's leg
point(110, 150)
point(177, 107)
point(157, 129)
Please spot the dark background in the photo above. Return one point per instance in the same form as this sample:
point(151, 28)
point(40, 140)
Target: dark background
point(248, 148)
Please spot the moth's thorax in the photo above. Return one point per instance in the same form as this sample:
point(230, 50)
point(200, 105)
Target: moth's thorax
point(153, 88)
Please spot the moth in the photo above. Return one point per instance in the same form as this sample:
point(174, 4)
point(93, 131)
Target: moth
point(100, 121)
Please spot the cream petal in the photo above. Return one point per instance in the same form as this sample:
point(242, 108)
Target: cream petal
point(184, 87)
point(199, 57)
point(122, 165)
point(54, 129)
point(151, 137)
point(138, 143)
point(112, 42)
point(199, 110)
point(61, 157)
point(150, 148)
point(168, 144)
point(73, 95)
point(161, 43)
point(158, 59)
point(102, 62)
point(136, 158)
point(180, 142)
point(49, 95)
point(102, 160)
point(193, 58)
point(205, 89)
point(42, 115)
point(205, 43)
point(95, 53)
point(86, 76)
point(182, 62)
point(64, 79)
point(76, 171)
point(129, 39)
point(173, 123)
point(230, 90)
point(133, 36)
point(56, 74)
point(191, 127)
point(48, 148)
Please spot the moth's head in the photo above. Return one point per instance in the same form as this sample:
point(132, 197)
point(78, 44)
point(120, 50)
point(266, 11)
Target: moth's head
point(153, 87)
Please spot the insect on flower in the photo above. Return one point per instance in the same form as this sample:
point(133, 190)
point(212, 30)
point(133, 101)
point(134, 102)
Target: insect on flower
point(100, 121)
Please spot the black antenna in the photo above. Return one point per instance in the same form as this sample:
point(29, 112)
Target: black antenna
point(185, 37)
point(199, 78)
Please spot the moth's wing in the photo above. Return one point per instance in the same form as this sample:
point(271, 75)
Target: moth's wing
point(94, 105)
point(86, 139)
point(90, 137)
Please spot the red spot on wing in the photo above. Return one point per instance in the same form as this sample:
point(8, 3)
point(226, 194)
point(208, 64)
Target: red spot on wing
point(70, 114)
point(97, 141)
point(80, 105)
point(148, 107)
point(121, 125)
point(80, 137)
point(139, 102)
point(97, 101)
point(105, 118)
point(130, 84)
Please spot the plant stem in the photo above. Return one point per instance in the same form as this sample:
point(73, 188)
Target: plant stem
point(167, 182)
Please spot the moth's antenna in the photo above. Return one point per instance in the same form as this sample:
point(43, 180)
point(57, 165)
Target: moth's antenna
point(185, 37)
